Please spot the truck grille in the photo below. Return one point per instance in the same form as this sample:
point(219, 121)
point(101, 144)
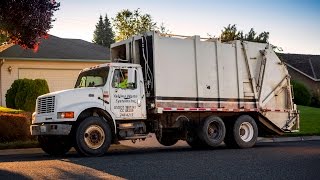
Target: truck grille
point(46, 105)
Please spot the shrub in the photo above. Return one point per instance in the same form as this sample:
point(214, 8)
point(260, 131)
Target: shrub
point(14, 127)
point(315, 100)
point(302, 95)
point(11, 94)
point(24, 92)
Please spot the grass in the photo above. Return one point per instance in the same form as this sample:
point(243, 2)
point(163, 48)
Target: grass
point(309, 120)
point(9, 110)
point(19, 144)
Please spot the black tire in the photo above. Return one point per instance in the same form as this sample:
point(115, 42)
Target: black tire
point(55, 145)
point(167, 139)
point(93, 137)
point(212, 131)
point(195, 142)
point(243, 133)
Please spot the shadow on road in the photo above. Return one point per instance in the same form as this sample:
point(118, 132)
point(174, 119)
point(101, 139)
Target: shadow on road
point(5, 174)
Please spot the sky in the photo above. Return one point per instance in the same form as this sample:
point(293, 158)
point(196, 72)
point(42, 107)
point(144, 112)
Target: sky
point(294, 25)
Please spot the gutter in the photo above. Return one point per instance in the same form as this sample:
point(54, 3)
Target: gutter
point(1, 63)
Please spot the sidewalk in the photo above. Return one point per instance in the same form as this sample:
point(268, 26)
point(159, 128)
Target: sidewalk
point(289, 139)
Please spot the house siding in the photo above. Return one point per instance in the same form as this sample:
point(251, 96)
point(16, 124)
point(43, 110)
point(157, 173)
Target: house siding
point(7, 78)
point(313, 86)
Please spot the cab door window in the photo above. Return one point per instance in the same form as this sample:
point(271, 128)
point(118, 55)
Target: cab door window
point(120, 79)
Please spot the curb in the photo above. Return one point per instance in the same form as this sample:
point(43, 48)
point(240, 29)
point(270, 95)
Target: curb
point(289, 139)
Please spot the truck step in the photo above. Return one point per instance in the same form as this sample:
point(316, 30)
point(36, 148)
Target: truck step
point(137, 136)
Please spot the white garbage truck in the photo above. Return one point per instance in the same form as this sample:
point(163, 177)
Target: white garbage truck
point(199, 90)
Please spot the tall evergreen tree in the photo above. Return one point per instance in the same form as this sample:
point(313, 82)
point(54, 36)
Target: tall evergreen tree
point(108, 33)
point(99, 32)
point(103, 34)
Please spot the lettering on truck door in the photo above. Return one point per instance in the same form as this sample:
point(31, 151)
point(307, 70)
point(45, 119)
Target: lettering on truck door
point(125, 96)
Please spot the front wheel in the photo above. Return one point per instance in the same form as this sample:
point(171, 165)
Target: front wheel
point(243, 133)
point(55, 145)
point(93, 137)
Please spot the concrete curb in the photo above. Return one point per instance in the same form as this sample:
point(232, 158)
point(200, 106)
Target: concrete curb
point(289, 139)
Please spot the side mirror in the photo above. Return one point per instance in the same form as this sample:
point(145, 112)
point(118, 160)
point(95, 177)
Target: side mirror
point(131, 78)
point(131, 75)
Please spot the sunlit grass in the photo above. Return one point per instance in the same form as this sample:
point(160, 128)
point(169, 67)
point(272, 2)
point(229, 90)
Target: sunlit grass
point(9, 110)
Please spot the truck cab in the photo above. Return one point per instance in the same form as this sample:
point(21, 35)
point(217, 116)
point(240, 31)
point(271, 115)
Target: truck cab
point(111, 92)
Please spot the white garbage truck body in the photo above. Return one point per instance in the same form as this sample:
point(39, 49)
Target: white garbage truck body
point(199, 90)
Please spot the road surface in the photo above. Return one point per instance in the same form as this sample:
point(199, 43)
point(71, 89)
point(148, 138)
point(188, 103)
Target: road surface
point(150, 160)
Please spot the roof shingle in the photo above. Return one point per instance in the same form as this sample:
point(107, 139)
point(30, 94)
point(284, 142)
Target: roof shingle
point(60, 48)
point(308, 64)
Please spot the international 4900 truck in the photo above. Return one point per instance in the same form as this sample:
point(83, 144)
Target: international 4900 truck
point(199, 90)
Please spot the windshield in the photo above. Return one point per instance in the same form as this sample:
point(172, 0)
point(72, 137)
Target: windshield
point(93, 78)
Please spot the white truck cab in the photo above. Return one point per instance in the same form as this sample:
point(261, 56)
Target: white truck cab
point(97, 93)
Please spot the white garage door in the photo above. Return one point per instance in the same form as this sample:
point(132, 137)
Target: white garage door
point(58, 79)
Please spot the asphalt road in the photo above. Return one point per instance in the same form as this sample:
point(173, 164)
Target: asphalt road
point(149, 160)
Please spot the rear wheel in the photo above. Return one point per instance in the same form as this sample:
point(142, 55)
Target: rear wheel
point(195, 142)
point(55, 145)
point(166, 139)
point(212, 131)
point(93, 137)
point(243, 133)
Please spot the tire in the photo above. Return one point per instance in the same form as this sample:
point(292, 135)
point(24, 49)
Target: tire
point(93, 137)
point(55, 145)
point(243, 133)
point(167, 139)
point(195, 142)
point(212, 131)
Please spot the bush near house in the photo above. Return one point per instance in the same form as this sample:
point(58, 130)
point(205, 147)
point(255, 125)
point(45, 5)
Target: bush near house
point(302, 96)
point(24, 92)
point(315, 100)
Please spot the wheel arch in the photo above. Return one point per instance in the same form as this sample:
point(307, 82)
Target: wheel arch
point(97, 111)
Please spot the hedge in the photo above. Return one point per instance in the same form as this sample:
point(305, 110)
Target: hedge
point(14, 127)
point(24, 92)
point(302, 96)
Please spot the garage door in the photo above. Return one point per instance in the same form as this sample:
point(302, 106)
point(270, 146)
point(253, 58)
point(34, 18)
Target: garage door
point(58, 79)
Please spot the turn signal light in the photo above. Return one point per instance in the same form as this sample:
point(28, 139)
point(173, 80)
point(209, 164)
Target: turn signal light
point(63, 115)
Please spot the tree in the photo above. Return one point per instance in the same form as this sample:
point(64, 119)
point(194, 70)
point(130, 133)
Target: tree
point(129, 23)
point(231, 33)
point(103, 34)
point(109, 35)
point(24, 22)
point(98, 34)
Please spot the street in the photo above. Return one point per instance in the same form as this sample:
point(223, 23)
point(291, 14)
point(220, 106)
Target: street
point(149, 160)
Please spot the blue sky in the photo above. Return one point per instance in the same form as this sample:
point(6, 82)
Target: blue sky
point(293, 25)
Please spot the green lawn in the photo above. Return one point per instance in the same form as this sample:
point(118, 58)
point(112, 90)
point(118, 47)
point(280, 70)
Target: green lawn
point(9, 110)
point(19, 144)
point(309, 120)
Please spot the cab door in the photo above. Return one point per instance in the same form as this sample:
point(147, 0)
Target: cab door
point(127, 101)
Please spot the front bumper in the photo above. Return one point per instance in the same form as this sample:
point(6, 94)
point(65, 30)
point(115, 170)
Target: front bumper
point(50, 129)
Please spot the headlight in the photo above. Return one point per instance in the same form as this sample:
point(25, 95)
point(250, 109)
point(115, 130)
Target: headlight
point(64, 115)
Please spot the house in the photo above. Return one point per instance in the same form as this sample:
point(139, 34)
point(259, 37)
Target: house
point(305, 69)
point(58, 60)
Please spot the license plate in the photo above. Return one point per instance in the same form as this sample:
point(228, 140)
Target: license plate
point(43, 129)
